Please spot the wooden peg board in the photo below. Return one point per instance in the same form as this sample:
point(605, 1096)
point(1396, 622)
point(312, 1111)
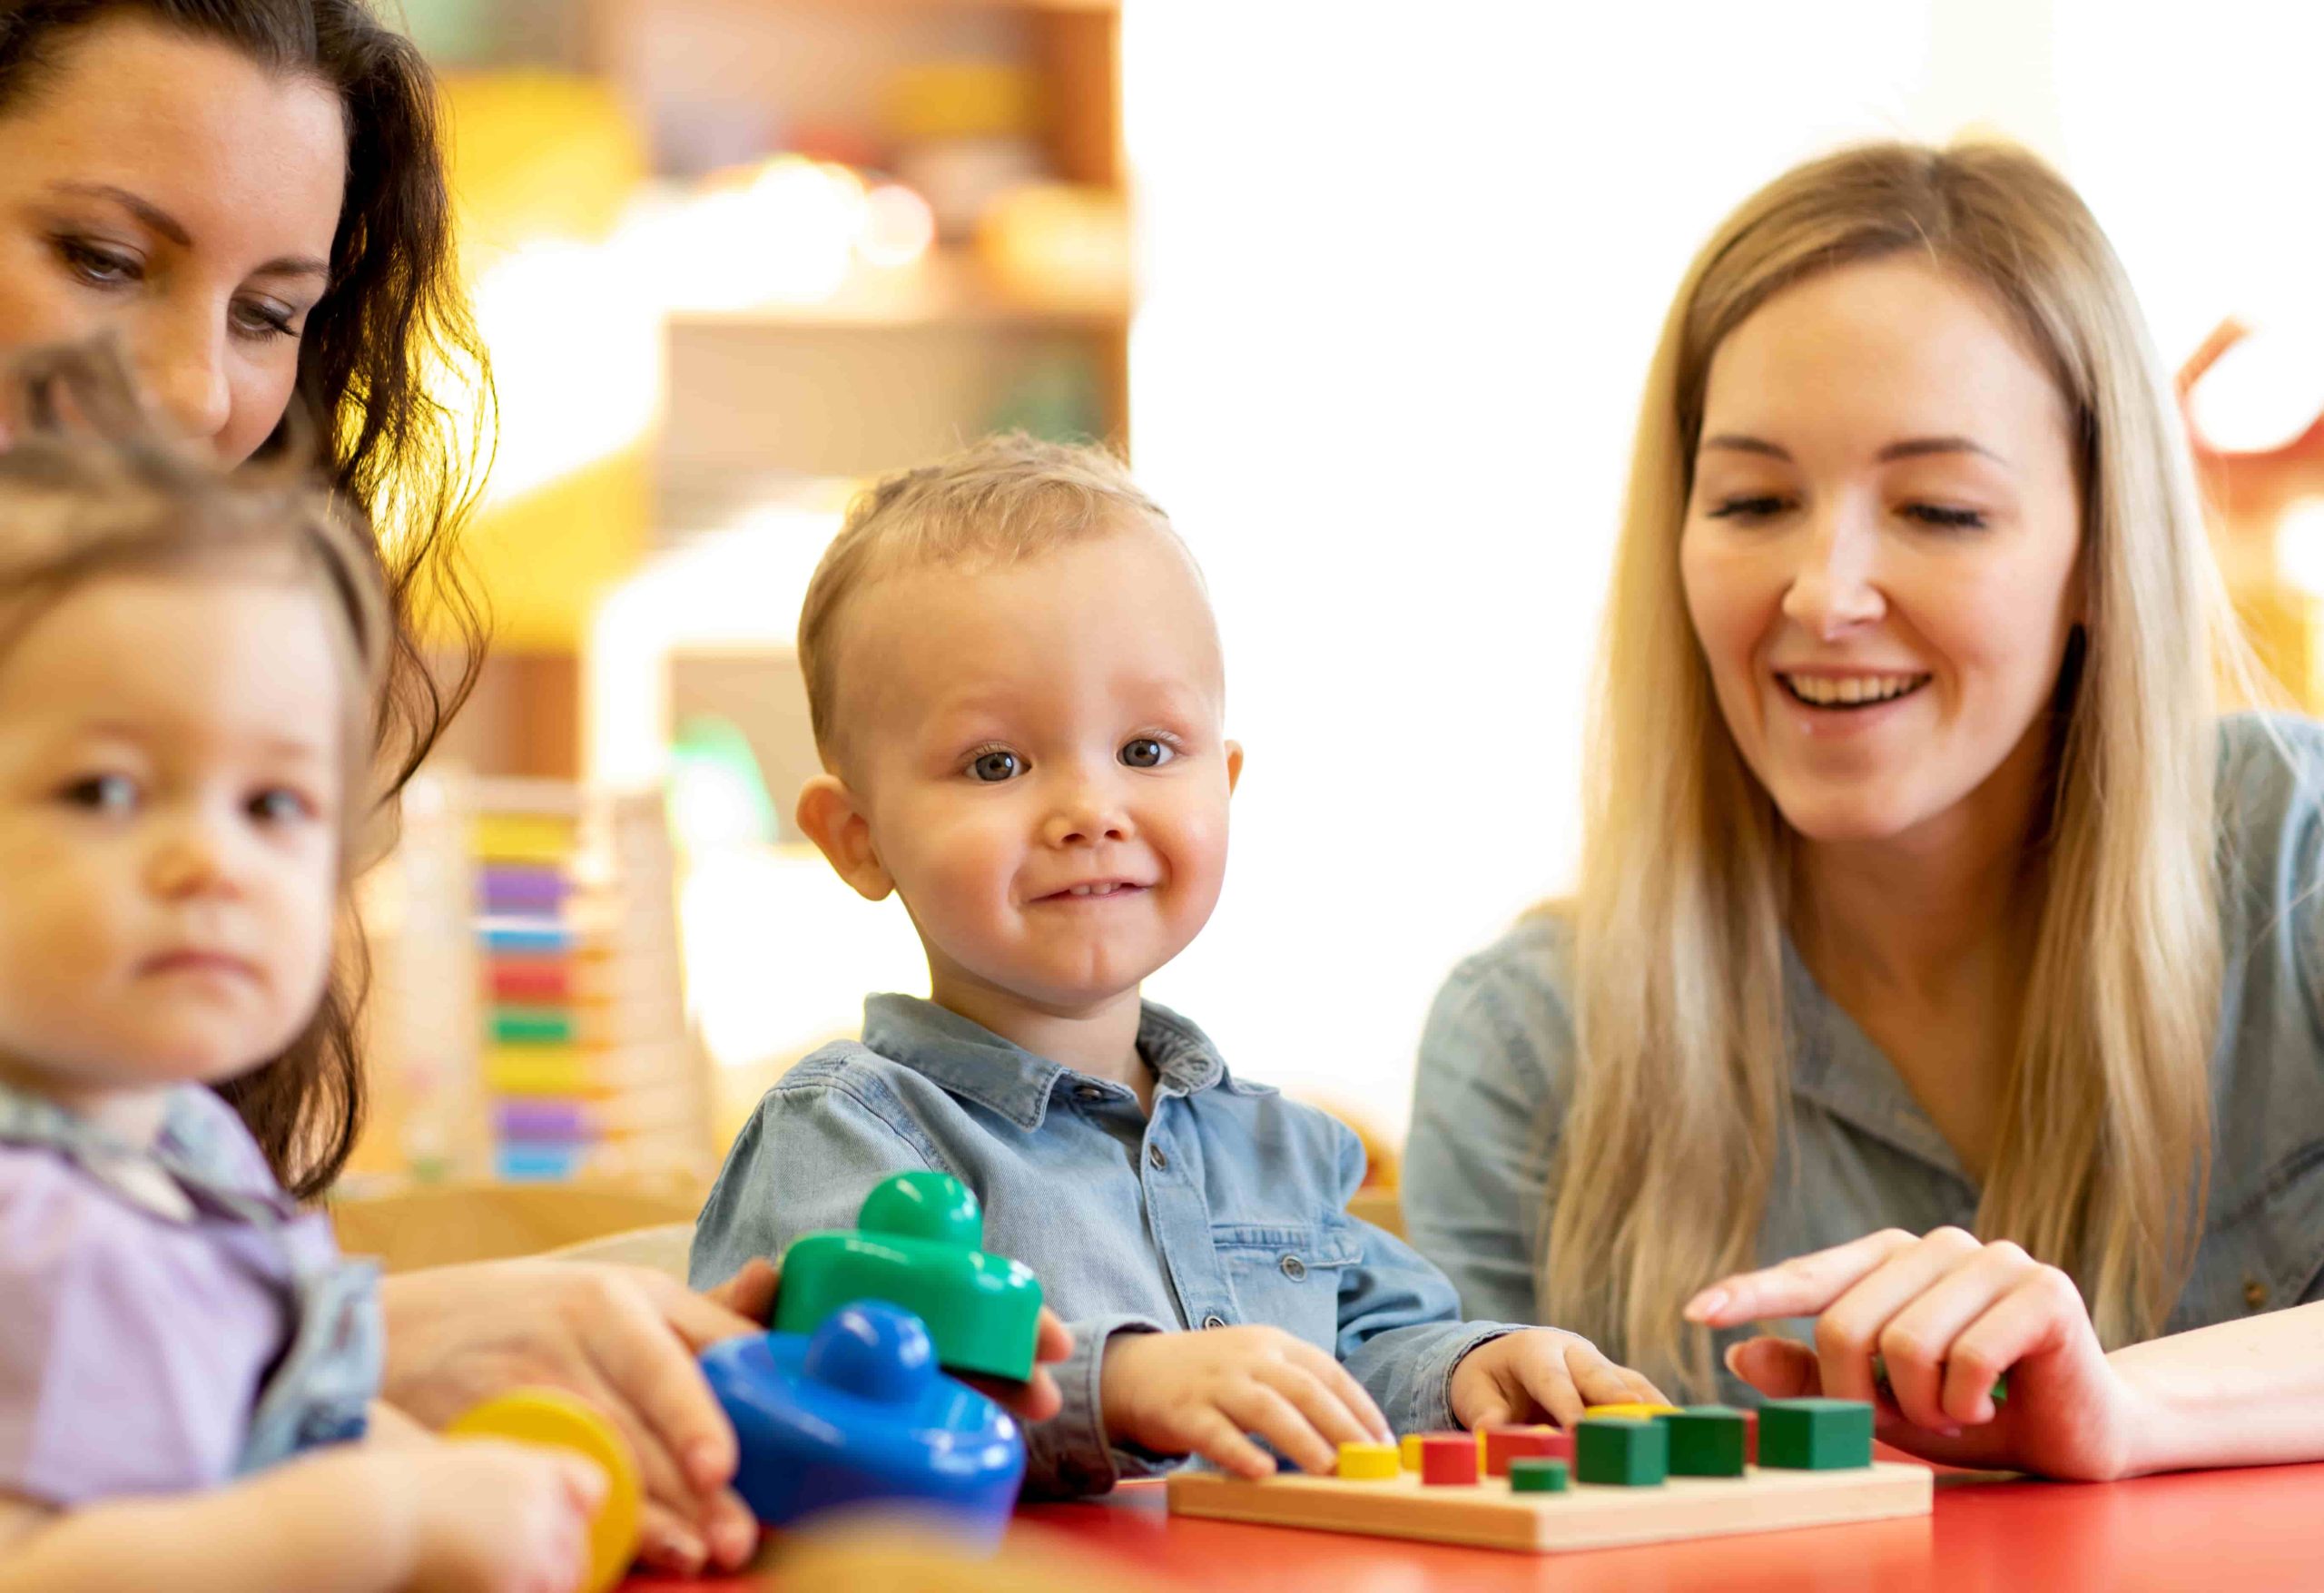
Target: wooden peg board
point(1588, 1516)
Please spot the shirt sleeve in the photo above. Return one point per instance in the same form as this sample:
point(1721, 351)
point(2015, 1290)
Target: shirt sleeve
point(1401, 1334)
point(1494, 1057)
point(120, 1371)
point(804, 1163)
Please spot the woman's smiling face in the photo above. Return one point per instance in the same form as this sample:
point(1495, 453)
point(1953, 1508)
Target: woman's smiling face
point(1881, 549)
point(172, 191)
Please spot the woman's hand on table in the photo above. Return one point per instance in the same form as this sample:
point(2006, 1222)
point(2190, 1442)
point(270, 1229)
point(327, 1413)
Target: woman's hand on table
point(623, 1338)
point(1948, 1315)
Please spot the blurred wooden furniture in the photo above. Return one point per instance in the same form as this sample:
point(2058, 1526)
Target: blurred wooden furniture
point(2248, 494)
point(665, 1249)
point(1379, 1207)
point(445, 1225)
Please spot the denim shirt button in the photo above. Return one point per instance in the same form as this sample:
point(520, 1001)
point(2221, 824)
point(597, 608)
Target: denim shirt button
point(1088, 1092)
point(1294, 1268)
point(1213, 1321)
point(2255, 1294)
point(1155, 1158)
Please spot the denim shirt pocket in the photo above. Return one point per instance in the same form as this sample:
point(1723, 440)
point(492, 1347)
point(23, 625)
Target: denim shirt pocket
point(1288, 1274)
point(2269, 1253)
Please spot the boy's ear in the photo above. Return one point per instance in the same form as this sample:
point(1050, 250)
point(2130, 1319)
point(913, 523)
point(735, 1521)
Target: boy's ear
point(828, 815)
point(1233, 765)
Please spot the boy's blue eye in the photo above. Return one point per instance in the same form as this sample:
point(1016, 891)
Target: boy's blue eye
point(102, 793)
point(996, 766)
point(1146, 753)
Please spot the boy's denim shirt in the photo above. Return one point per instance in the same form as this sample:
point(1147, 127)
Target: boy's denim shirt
point(1497, 1063)
point(1226, 1206)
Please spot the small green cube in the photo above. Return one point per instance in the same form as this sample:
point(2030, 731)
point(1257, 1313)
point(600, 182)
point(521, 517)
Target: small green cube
point(1705, 1440)
point(1621, 1453)
point(1814, 1435)
point(1536, 1474)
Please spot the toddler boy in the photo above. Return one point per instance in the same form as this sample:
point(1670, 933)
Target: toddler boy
point(1016, 687)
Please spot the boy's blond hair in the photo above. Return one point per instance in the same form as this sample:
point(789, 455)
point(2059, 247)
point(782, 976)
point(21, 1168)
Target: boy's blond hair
point(1006, 498)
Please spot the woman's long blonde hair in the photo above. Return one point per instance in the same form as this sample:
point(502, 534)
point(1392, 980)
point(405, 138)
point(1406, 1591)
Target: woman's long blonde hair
point(1680, 1104)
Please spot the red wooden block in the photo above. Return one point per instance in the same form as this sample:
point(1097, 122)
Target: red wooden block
point(1750, 1438)
point(531, 978)
point(1447, 1461)
point(1504, 1444)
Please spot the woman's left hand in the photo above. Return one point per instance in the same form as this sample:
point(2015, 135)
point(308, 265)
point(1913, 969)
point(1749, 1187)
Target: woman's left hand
point(1947, 1316)
point(623, 1338)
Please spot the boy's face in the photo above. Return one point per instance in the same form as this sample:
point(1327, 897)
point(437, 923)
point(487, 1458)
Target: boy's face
point(1036, 755)
point(170, 793)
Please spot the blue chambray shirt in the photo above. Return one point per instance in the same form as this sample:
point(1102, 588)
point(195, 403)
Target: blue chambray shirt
point(1496, 1067)
point(1226, 1206)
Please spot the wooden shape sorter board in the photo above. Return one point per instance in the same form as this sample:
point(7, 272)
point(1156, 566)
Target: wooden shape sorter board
point(1487, 1515)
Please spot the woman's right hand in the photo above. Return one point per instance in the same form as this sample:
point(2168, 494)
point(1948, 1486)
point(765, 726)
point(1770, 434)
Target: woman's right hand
point(1948, 1315)
point(490, 1517)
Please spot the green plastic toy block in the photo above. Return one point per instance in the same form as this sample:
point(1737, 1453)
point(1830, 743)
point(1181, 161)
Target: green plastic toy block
point(918, 1243)
point(1705, 1440)
point(1814, 1435)
point(1536, 1474)
point(1620, 1452)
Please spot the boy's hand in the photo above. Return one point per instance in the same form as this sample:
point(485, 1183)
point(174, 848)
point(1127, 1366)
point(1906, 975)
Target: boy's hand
point(1200, 1393)
point(1523, 1376)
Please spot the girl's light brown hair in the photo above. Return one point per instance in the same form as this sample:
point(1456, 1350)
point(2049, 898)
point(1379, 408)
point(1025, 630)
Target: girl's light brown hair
point(91, 489)
point(1665, 1155)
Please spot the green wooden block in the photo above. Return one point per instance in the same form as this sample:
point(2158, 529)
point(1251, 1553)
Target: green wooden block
point(1814, 1435)
point(1705, 1440)
point(1536, 1474)
point(523, 1023)
point(1620, 1453)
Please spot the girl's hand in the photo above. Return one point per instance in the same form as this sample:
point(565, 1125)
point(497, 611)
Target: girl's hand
point(1200, 1392)
point(496, 1517)
point(1947, 1316)
point(1542, 1372)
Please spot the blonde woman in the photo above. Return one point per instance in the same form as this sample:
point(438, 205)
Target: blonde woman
point(1925, 894)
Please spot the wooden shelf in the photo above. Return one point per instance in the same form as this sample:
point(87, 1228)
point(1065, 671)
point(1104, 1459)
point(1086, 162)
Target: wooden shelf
point(949, 289)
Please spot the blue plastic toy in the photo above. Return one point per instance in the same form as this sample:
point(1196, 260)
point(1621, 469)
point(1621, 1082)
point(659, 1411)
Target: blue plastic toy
point(856, 1413)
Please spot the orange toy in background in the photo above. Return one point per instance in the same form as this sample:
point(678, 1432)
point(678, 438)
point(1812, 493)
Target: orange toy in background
point(1382, 1160)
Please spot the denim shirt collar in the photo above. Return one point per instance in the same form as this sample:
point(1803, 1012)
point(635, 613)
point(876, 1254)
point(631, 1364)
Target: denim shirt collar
point(976, 1064)
point(1836, 1064)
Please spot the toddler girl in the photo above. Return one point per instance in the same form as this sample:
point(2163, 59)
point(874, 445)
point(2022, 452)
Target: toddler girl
point(189, 667)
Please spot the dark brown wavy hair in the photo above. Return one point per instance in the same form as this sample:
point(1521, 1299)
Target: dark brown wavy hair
point(393, 312)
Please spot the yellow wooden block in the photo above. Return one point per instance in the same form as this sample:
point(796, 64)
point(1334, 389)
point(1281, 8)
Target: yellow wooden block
point(1408, 1452)
point(1635, 1411)
point(523, 837)
point(556, 1419)
point(1368, 1462)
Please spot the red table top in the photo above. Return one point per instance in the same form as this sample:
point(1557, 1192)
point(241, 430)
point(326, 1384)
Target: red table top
point(2203, 1529)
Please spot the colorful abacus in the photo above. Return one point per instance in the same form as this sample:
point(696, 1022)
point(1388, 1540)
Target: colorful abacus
point(528, 1018)
point(586, 1064)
